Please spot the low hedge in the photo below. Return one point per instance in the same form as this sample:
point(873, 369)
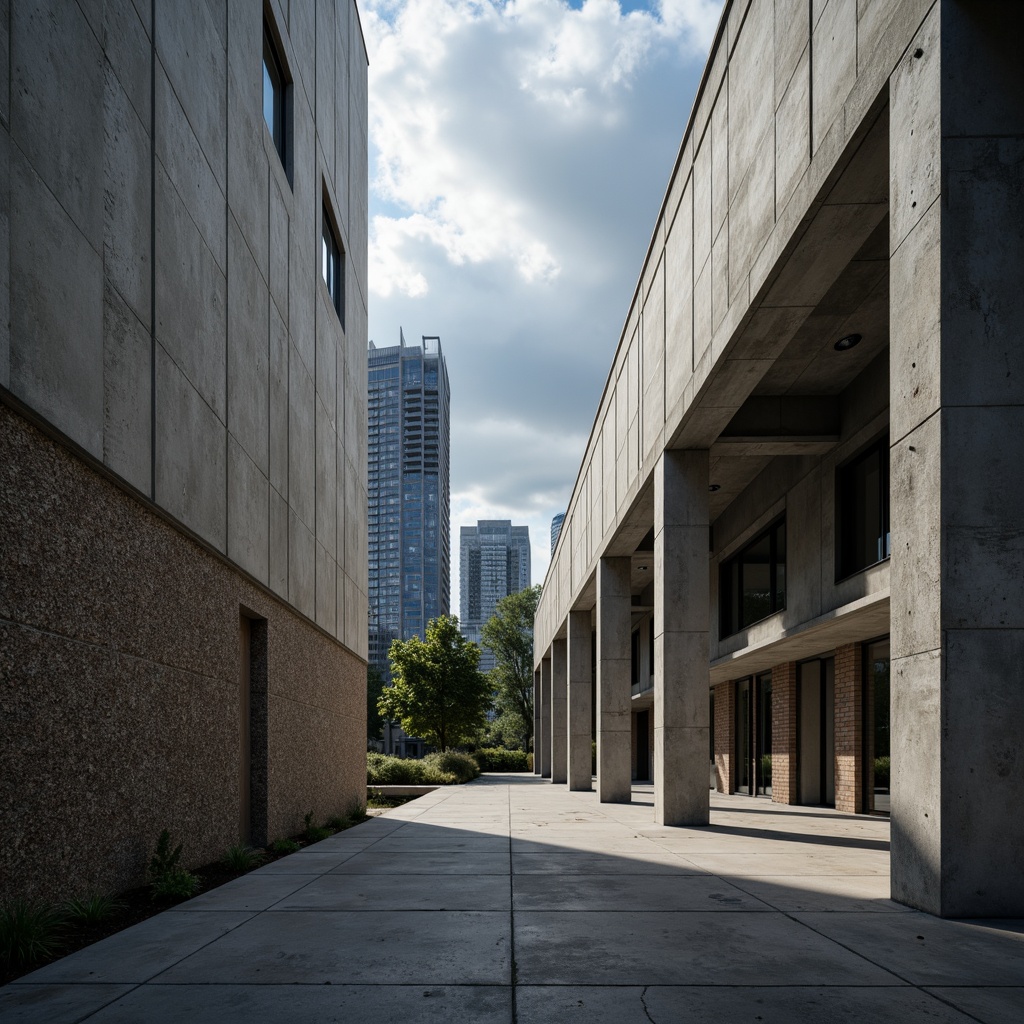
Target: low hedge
point(434, 770)
point(497, 759)
point(386, 770)
point(451, 762)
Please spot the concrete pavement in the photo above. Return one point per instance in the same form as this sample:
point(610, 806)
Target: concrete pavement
point(511, 899)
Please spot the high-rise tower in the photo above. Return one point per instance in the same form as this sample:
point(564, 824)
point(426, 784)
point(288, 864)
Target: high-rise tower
point(494, 562)
point(408, 493)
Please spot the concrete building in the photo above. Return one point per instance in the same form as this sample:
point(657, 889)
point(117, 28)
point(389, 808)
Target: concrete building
point(182, 431)
point(494, 562)
point(556, 529)
point(795, 543)
point(408, 492)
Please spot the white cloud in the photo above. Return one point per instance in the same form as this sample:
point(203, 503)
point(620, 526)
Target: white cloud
point(519, 153)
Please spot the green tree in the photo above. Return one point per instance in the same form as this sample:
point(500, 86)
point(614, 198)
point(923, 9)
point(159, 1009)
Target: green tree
point(508, 634)
point(438, 692)
point(374, 688)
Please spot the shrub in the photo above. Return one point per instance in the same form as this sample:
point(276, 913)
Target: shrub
point(284, 846)
point(882, 765)
point(386, 770)
point(529, 762)
point(176, 885)
point(242, 858)
point(29, 932)
point(167, 880)
point(766, 769)
point(353, 816)
point(164, 860)
point(451, 762)
point(497, 759)
point(313, 833)
point(93, 909)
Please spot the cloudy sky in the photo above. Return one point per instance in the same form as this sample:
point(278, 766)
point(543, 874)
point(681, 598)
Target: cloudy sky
point(519, 153)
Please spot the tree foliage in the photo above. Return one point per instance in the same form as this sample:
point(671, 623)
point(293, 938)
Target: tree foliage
point(508, 634)
point(438, 691)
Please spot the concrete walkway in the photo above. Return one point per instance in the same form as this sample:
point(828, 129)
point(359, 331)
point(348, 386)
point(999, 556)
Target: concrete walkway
point(513, 900)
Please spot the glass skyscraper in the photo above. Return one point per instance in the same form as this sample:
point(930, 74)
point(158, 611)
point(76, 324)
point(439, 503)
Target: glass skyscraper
point(494, 561)
point(408, 493)
point(556, 529)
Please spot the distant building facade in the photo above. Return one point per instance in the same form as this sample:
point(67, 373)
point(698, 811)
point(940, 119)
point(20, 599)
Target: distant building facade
point(494, 562)
point(182, 433)
point(556, 529)
point(408, 414)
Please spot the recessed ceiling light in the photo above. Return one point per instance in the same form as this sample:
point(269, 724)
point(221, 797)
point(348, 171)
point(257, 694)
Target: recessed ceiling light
point(714, 487)
point(846, 343)
point(642, 568)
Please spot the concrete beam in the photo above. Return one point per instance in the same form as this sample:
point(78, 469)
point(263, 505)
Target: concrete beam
point(785, 416)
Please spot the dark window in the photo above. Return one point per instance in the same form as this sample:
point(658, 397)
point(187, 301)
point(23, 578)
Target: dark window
point(275, 109)
point(862, 510)
point(753, 581)
point(333, 265)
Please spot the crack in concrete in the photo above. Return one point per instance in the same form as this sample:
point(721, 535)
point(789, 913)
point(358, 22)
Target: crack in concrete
point(643, 1003)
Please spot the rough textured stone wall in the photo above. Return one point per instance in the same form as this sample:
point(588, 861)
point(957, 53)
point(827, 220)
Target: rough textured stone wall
point(120, 687)
point(725, 737)
point(784, 753)
point(848, 729)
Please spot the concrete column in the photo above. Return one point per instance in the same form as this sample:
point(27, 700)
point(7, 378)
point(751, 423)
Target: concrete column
point(536, 722)
point(681, 640)
point(580, 701)
point(559, 733)
point(545, 718)
point(957, 475)
point(614, 784)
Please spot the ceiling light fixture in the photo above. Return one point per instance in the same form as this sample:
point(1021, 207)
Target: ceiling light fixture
point(846, 343)
point(714, 487)
point(642, 568)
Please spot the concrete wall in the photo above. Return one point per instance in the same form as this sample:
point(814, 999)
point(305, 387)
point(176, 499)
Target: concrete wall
point(753, 165)
point(166, 309)
point(957, 249)
point(183, 427)
point(120, 691)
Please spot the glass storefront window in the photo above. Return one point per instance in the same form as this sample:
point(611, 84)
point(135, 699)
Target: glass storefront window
point(763, 738)
point(877, 754)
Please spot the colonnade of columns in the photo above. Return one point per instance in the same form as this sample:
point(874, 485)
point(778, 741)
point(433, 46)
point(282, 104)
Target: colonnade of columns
point(569, 676)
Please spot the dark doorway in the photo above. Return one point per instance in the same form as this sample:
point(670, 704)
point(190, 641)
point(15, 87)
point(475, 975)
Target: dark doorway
point(252, 725)
point(816, 731)
point(744, 737)
point(643, 746)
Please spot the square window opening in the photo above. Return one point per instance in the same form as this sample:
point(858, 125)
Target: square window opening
point(752, 583)
point(862, 510)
